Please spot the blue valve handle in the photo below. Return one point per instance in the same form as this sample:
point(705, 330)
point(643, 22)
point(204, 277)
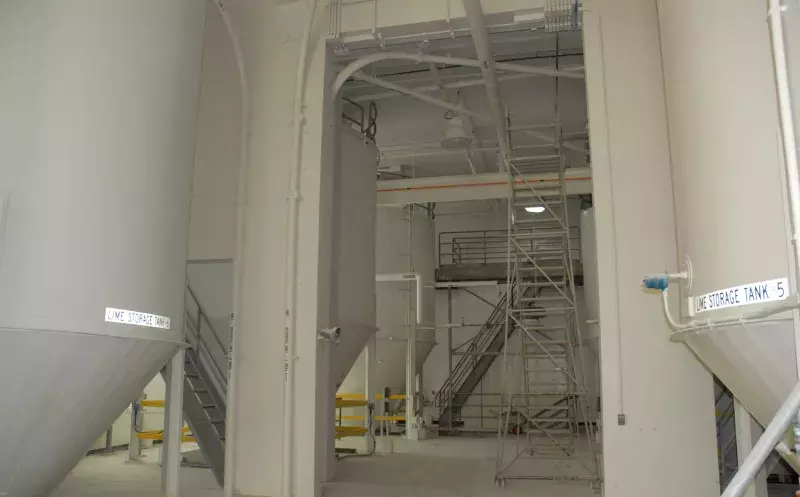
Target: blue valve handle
point(656, 282)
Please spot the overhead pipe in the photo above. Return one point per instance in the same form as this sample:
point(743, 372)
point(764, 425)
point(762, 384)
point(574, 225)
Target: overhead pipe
point(456, 85)
point(292, 222)
point(480, 35)
point(363, 62)
point(420, 96)
point(241, 204)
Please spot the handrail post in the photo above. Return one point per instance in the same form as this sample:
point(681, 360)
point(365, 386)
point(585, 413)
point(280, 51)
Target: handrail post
point(199, 324)
point(485, 250)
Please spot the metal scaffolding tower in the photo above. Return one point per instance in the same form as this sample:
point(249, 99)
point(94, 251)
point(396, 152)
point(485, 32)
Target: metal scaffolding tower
point(544, 395)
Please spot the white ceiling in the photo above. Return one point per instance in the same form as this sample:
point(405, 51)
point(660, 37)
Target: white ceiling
point(410, 131)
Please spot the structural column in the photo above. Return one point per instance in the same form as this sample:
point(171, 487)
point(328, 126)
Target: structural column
point(173, 425)
point(271, 34)
point(656, 420)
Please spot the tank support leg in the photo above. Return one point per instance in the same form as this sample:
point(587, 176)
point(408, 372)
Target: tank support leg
point(173, 425)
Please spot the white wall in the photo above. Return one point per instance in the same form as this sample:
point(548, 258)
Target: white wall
point(212, 284)
point(661, 389)
point(213, 219)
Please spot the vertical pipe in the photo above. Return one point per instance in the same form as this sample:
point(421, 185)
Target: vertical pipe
point(369, 394)
point(109, 440)
point(772, 435)
point(411, 363)
point(450, 358)
point(134, 444)
point(420, 389)
point(386, 409)
point(174, 424)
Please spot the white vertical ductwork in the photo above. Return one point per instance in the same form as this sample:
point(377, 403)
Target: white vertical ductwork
point(98, 106)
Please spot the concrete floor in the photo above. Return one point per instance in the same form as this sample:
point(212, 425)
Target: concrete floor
point(444, 467)
point(112, 476)
point(404, 475)
point(425, 469)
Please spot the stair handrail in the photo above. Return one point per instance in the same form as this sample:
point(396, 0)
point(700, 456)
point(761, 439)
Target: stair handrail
point(195, 327)
point(478, 343)
point(482, 247)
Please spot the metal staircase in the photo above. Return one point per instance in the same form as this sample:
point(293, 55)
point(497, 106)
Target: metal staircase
point(726, 433)
point(205, 384)
point(544, 389)
point(477, 355)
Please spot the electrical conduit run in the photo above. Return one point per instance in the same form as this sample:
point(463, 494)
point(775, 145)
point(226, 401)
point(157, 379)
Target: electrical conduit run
point(363, 62)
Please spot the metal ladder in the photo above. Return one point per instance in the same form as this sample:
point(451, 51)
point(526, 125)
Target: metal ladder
point(544, 389)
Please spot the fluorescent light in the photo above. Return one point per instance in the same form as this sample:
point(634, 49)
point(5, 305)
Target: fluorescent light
point(536, 209)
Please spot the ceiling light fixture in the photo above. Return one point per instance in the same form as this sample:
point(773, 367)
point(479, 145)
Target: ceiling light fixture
point(457, 135)
point(535, 209)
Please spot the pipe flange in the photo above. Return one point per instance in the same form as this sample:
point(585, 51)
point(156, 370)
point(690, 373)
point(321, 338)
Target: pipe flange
point(687, 267)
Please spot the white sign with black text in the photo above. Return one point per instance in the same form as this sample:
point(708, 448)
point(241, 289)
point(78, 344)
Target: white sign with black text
point(135, 318)
point(751, 293)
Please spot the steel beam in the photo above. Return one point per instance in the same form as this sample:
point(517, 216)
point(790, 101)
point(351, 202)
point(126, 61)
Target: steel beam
point(473, 187)
point(366, 24)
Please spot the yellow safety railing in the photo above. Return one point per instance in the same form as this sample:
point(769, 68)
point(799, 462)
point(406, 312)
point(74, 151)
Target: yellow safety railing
point(354, 400)
point(159, 435)
point(361, 396)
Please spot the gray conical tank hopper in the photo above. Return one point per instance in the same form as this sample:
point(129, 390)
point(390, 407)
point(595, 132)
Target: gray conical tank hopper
point(97, 118)
point(400, 231)
point(353, 248)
